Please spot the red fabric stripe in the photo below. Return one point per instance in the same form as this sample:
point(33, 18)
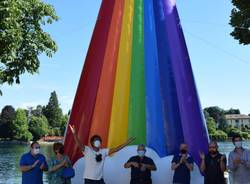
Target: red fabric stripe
point(84, 103)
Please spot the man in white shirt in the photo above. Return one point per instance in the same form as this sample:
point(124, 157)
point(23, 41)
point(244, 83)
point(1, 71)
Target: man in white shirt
point(95, 157)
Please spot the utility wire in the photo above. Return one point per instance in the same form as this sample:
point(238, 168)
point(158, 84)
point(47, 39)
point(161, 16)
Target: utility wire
point(213, 45)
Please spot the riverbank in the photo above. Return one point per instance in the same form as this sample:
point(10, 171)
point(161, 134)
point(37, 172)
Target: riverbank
point(42, 141)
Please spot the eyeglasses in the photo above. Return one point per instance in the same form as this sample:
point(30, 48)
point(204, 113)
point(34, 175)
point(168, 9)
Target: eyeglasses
point(37, 147)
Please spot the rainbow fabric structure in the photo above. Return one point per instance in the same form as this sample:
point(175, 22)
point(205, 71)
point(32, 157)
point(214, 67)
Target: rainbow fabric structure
point(137, 81)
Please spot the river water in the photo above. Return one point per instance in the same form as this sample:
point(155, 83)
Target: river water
point(10, 155)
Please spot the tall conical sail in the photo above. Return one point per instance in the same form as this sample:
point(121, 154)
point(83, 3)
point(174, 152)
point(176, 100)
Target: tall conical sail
point(137, 81)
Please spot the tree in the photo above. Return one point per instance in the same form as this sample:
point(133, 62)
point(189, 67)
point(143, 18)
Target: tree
point(64, 124)
point(6, 119)
point(38, 112)
point(53, 112)
point(22, 38)
point(20, 126)
point(38, 126)
point(218, 115)
point(232, 111)
point(211, 126)
point(240, 21)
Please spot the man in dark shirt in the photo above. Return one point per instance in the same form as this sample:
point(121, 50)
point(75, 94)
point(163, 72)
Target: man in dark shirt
point(213, 165)
point(141, 167)
point(182, 164)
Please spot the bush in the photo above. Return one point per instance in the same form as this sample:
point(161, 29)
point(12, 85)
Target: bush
point(38, 127)
point(20, 126)
point(219, 135)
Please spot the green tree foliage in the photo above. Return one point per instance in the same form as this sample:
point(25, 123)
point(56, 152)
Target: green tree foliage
point(218, 115)
point(232, 111)
point(6, 120)
point(53, 112)
point(219, 135)
point(20, 126)
point(22, 38)
point(240, 21)
point(38, 112)
point(38, 126)
point(211, 126)
point(64, 124)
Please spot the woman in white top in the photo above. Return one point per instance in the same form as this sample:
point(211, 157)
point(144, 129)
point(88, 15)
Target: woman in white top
point(95, 157)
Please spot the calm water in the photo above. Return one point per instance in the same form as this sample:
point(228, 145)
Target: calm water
point(10, 155)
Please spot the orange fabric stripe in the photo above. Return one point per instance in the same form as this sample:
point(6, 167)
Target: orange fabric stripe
point(103, 106)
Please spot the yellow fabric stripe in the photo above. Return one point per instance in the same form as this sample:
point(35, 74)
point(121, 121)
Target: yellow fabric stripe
point(118, 131)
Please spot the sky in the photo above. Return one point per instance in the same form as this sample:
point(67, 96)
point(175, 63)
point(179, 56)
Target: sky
point(221, 66)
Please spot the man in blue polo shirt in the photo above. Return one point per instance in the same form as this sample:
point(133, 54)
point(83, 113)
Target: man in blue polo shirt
point(182, 164)
point(32, 165)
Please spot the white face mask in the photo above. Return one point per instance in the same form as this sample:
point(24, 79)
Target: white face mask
point(238, 144)
point(141, 153)
point(97, 144)
point(36, 151)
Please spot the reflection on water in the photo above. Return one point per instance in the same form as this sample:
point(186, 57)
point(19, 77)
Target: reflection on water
point(10, 155)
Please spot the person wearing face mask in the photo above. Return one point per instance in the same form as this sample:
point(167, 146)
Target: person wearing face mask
point(239, 162)
point(95, 157)
point(32, 165)
point(141, 167)
point(57, 165)
point(213, 165)
point(182, 164)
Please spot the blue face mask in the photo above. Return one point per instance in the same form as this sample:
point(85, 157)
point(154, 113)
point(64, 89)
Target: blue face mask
point(141, 153)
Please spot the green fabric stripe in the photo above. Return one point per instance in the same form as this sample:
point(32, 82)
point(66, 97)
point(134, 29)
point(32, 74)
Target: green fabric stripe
point(137, 114)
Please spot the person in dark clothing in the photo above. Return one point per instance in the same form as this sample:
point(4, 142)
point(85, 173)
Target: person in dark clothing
point(141, 167)
point(213, 165)
point(182, 164)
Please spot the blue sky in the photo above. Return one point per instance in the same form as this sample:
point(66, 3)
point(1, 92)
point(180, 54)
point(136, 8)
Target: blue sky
point(221, 66)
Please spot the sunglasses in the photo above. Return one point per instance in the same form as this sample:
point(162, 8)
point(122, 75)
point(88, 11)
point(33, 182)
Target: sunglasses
point(37, 147)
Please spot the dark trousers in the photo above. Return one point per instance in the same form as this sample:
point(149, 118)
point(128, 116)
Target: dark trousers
point(88, 181)
point(141, 182)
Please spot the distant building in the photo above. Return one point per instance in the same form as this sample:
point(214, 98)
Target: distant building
point(238, 120)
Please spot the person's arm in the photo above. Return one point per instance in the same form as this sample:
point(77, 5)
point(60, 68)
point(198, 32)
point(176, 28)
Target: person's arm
point(44, 165)
point(120, 147)
point(203, 164)
point(78, 142)
point(175, 165)
point(189, 163)
point(150, 166)
point(131, 163)
point(246, 162)
point(26, 168)
point(223, 163)
point(190, 166)
point(58, 166)
point(232, 165)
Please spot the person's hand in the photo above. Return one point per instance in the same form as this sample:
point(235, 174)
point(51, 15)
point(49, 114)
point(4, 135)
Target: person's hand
point(64, 163)
point(73, 129)
point(202, 155)
point(237, 161)
point(34, 164)
point(42, 167)
point(181, 160)
point(143, 167)
point(184, 159)
point(222, 158)
point(135, 164)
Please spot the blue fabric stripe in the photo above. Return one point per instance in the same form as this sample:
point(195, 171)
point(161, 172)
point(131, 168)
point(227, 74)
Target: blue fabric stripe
point(156, 137)
point(171, 113)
